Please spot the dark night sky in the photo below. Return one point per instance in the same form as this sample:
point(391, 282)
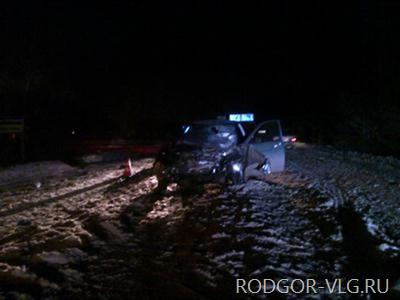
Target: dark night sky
point(192, 58)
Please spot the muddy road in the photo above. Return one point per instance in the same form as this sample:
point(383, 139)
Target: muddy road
point(93, 236)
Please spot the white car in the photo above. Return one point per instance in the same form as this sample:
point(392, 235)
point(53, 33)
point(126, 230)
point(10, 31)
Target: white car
point(207, 148)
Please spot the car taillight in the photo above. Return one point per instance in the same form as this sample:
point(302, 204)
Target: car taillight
point(293, 140)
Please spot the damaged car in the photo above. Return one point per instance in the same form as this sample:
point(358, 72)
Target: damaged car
point(220, 150)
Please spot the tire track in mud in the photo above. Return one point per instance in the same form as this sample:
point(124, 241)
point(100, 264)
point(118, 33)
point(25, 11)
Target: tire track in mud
point(72, 277)
point(108, 185)
point(323, 183)
point(264, 230)
point(39, 203)
point(282, 233)
point(156, 256)
point(360, 243)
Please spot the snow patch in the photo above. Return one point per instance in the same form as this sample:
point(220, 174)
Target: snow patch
point(34, 172)
point(386, 247)
point(220, 235)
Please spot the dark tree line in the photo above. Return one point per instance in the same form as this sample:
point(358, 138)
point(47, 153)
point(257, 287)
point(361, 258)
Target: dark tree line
point(331, 83)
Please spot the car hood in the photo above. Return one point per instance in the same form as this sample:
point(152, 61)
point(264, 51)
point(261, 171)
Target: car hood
point(195, 159)
point(219, 143)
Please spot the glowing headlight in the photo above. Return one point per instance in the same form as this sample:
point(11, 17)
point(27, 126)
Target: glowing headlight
point(236, 167)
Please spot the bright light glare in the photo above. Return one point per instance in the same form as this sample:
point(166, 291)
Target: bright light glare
point(236, 167)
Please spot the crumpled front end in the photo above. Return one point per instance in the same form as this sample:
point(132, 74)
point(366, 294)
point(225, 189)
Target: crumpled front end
point(201, 164)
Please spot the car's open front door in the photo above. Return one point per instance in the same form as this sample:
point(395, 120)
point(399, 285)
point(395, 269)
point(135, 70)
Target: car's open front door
point(267, 138)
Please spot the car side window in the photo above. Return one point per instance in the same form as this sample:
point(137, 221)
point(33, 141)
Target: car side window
point(268, 132)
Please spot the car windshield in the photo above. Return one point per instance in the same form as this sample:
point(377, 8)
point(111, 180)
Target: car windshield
point(213, 135)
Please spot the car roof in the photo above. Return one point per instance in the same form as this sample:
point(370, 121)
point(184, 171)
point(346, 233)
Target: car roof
point(215, 122)
point(222, 122)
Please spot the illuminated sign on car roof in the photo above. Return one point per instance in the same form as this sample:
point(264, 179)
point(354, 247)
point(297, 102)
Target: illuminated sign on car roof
point(241, 117)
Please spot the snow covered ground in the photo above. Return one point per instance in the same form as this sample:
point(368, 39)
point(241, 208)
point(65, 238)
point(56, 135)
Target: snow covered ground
point(370, 183)
point(34, 173)
point(94, 236)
